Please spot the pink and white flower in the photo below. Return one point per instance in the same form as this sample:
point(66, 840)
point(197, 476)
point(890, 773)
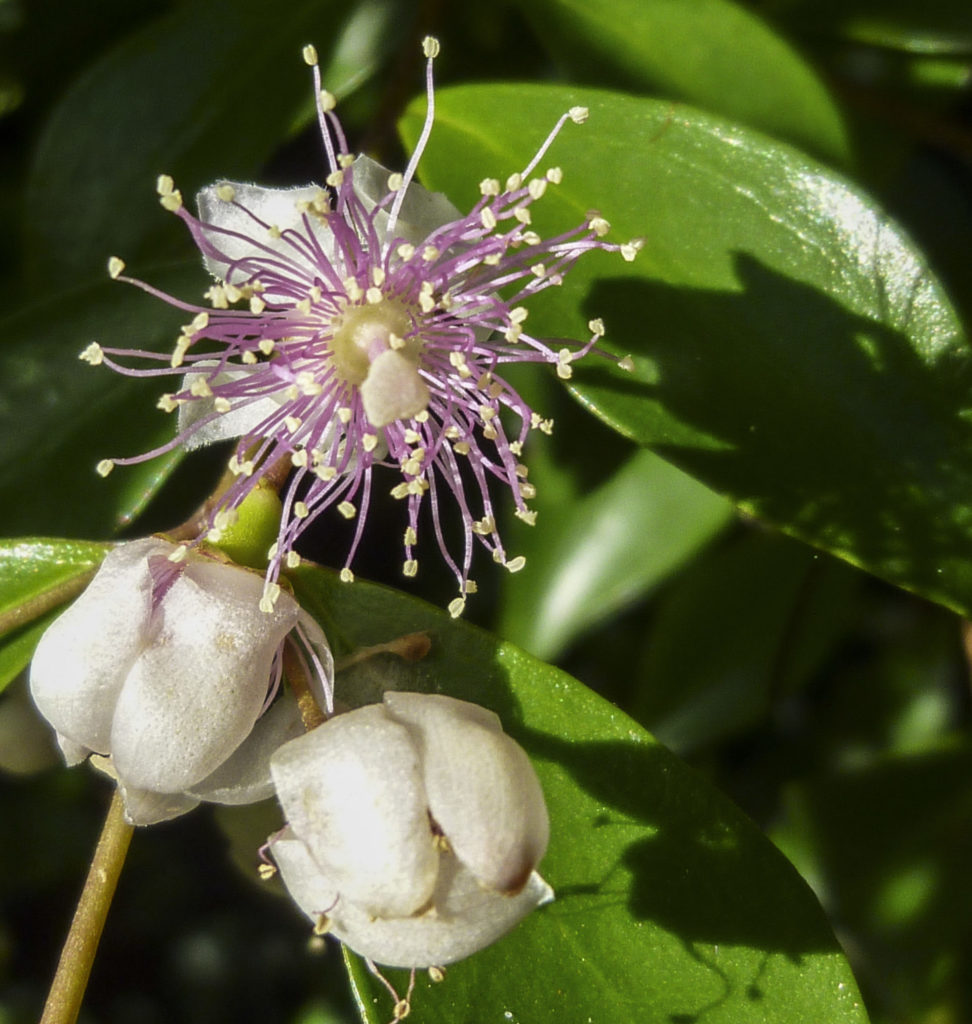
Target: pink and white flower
point(364, 324)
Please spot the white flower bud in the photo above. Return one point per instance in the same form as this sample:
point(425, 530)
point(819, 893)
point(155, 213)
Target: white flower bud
point(165, 666)
point(414, 827)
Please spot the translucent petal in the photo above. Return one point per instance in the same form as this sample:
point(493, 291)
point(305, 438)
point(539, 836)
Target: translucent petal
point(235, 228)
point(196, 690)
point(242, 418)
point(352, 791)
point(421, 213)
point(481, 787)
point(83, 658)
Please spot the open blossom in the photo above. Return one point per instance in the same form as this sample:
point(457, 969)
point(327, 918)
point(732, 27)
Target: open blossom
point(364, 324)
point(166, 665)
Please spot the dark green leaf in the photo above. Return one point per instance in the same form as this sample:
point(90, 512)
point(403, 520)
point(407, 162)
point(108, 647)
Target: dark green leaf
point(714, 54)
point(671, 906)
point(887, 846)
point(744, 625)
point(59, 416)
point(596, 555)
point(792, 348)
point(203, 93)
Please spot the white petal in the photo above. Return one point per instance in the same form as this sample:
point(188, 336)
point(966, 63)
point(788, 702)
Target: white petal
point(466, 919)
point(243, 416)
point(482, 789)
point(145, 808)
point(322, 688)
point(84, 656)
point(195, 692)
point(245, 777)
point(393, 389)
point(308, 887)
point(421, 213)
point(276, 207)
point(352, 791)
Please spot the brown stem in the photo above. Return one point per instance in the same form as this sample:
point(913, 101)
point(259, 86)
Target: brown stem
point(310, 712)
point(77, 957)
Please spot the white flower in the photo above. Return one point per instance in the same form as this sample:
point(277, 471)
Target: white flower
point(414, 829)
point(166, 666)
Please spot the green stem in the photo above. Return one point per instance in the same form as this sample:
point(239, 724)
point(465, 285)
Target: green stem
point(77, 957)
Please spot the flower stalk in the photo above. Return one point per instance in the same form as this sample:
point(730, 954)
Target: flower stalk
point(77, 957)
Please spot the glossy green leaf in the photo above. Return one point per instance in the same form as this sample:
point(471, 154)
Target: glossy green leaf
point(598, 554)
point(203, 93)
point(792, 348)
point(37, 576)
point(714, 54)
point(32, 568)
point(60, 416)
point(671, 906)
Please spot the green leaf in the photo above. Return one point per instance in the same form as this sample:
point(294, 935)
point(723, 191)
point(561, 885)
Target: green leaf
point(793, 351)
point(887, 847)
point(37, 576)
point(671, 906)
point(939, 28)
point(598, 554)
point(714, 54)
point(17, 648)
point(59, 416)
point(203, 93)
point(744, 625)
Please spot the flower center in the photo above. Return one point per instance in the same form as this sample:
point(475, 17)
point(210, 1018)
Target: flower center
point(370, 353)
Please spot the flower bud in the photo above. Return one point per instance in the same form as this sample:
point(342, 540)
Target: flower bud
point(414, 827)
point(165, 666)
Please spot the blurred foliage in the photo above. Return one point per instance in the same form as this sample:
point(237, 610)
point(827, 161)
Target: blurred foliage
point(803, 360)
